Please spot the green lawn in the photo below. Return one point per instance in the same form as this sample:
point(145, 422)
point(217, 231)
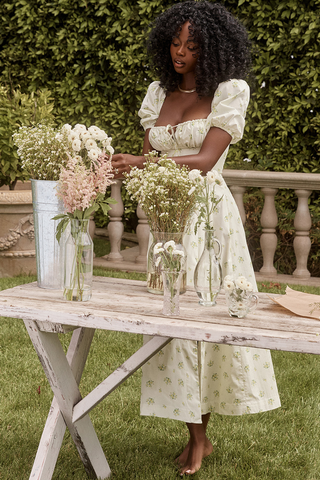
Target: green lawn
point(282, 444)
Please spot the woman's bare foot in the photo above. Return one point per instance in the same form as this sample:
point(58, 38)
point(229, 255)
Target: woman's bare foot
point(198, 450)
point(183, 457)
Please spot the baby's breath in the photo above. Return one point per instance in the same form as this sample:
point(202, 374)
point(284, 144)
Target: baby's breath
point(163, 190)
point(43, 151)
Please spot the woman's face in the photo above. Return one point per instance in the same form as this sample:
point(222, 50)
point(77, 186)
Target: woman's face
point(183, 51)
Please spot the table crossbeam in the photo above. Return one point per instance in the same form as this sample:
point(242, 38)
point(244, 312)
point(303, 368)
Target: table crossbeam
point(139, 358)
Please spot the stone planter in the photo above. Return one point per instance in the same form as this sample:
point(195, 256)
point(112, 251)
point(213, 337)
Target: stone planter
point(17, 246)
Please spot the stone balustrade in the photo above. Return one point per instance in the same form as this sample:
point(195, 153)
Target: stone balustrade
point(238, 180)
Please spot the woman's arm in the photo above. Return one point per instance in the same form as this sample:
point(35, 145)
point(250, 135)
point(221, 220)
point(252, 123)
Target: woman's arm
point(215, 143)
point(123, 162)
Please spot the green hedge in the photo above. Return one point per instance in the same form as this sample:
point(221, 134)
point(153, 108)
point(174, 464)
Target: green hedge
point(91, 55)
point(283, 125)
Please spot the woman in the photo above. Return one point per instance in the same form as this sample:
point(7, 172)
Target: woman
point(202, 55)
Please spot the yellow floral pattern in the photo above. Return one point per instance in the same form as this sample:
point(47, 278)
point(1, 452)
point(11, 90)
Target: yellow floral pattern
point(187, 378)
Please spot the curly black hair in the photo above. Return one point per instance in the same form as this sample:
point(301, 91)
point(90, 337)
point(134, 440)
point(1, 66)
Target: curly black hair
point(224, 49)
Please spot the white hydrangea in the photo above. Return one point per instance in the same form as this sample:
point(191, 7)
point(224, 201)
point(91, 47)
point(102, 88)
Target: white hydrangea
point(80, 128)
point(241, 282)
point(73, 136)
point(228, 285)
point(91, 144)
point(194, 174)
point(76, 145)
point(158, 248)
point(66, 128)
point(110, 150)
point(170, 244)
point(93, 154)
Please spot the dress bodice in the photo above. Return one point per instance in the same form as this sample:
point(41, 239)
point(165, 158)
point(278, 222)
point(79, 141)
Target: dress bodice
point(228, 110)
point(187, 135)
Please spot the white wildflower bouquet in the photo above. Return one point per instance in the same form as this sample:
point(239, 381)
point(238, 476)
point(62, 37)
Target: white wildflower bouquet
point(164, 191)
point(206, 199)
point(239, 296)
point(43, 150)
point(169, 255)
point(88, 143)
point(237, 288)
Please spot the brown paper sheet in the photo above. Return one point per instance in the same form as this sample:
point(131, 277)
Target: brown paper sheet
point(302, 304)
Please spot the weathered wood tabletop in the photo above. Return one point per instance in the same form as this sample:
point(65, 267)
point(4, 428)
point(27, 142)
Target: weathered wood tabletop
point(125, 305)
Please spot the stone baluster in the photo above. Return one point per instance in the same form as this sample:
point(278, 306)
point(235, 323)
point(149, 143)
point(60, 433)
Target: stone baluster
point(268, 239)
point(302, 242)
point(142, 231)
point(115, 226)
point(238, 193)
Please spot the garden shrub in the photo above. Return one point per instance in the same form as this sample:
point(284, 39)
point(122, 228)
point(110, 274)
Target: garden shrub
point(91, 55)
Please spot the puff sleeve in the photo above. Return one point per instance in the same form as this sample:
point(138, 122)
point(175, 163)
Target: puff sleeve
point(151, 105)
point(229, 106)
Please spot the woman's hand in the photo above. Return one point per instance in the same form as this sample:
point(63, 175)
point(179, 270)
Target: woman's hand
point(123, 162)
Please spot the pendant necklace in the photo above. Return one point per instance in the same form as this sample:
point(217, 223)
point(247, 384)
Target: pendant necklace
point(186, 91)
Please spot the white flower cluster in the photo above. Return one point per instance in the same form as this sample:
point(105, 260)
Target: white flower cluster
point(88, 143)
point(164, 191)
point(241, 284)
point(43, 150)
point(169, 255)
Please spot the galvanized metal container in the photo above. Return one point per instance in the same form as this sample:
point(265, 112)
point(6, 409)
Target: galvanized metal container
point(49, 253)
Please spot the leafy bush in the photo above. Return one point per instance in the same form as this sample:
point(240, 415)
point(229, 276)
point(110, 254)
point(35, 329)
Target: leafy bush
point(283, 120)
point(92, 56)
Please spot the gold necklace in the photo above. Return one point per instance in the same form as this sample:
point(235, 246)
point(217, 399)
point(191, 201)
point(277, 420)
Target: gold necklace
point(186, 91)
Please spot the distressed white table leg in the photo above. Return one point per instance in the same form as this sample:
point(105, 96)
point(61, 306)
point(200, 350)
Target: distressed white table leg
point(139, 358)
point(67, 394)
point(55, 427)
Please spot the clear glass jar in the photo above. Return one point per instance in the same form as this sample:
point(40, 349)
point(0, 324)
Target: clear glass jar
point(171, 290)
point(154, 277)
point(78, 264)
point(208, 273)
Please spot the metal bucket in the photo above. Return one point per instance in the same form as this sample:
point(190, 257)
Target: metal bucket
point(49, 253)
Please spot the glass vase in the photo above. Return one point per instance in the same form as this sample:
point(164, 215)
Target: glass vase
point(154, 277)
point(78, 262)
point(171, 290)
point(240, 303)
point(208, 273)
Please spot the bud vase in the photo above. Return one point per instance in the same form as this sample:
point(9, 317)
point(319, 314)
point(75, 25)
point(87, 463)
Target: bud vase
point(78, 262)
point(208, 273)
point(171, 289)
point(154, 277)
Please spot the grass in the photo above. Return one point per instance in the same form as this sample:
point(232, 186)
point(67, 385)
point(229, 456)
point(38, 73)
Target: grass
point(279, 445)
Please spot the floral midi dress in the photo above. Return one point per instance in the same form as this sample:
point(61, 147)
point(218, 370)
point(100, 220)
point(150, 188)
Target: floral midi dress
point(187, 379)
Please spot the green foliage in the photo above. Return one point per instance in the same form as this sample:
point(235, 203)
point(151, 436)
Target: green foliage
point(91, 55)
point(283, 119)
point(18, 109)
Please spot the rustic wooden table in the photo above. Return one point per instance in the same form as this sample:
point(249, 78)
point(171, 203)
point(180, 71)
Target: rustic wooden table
point(125, 305)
